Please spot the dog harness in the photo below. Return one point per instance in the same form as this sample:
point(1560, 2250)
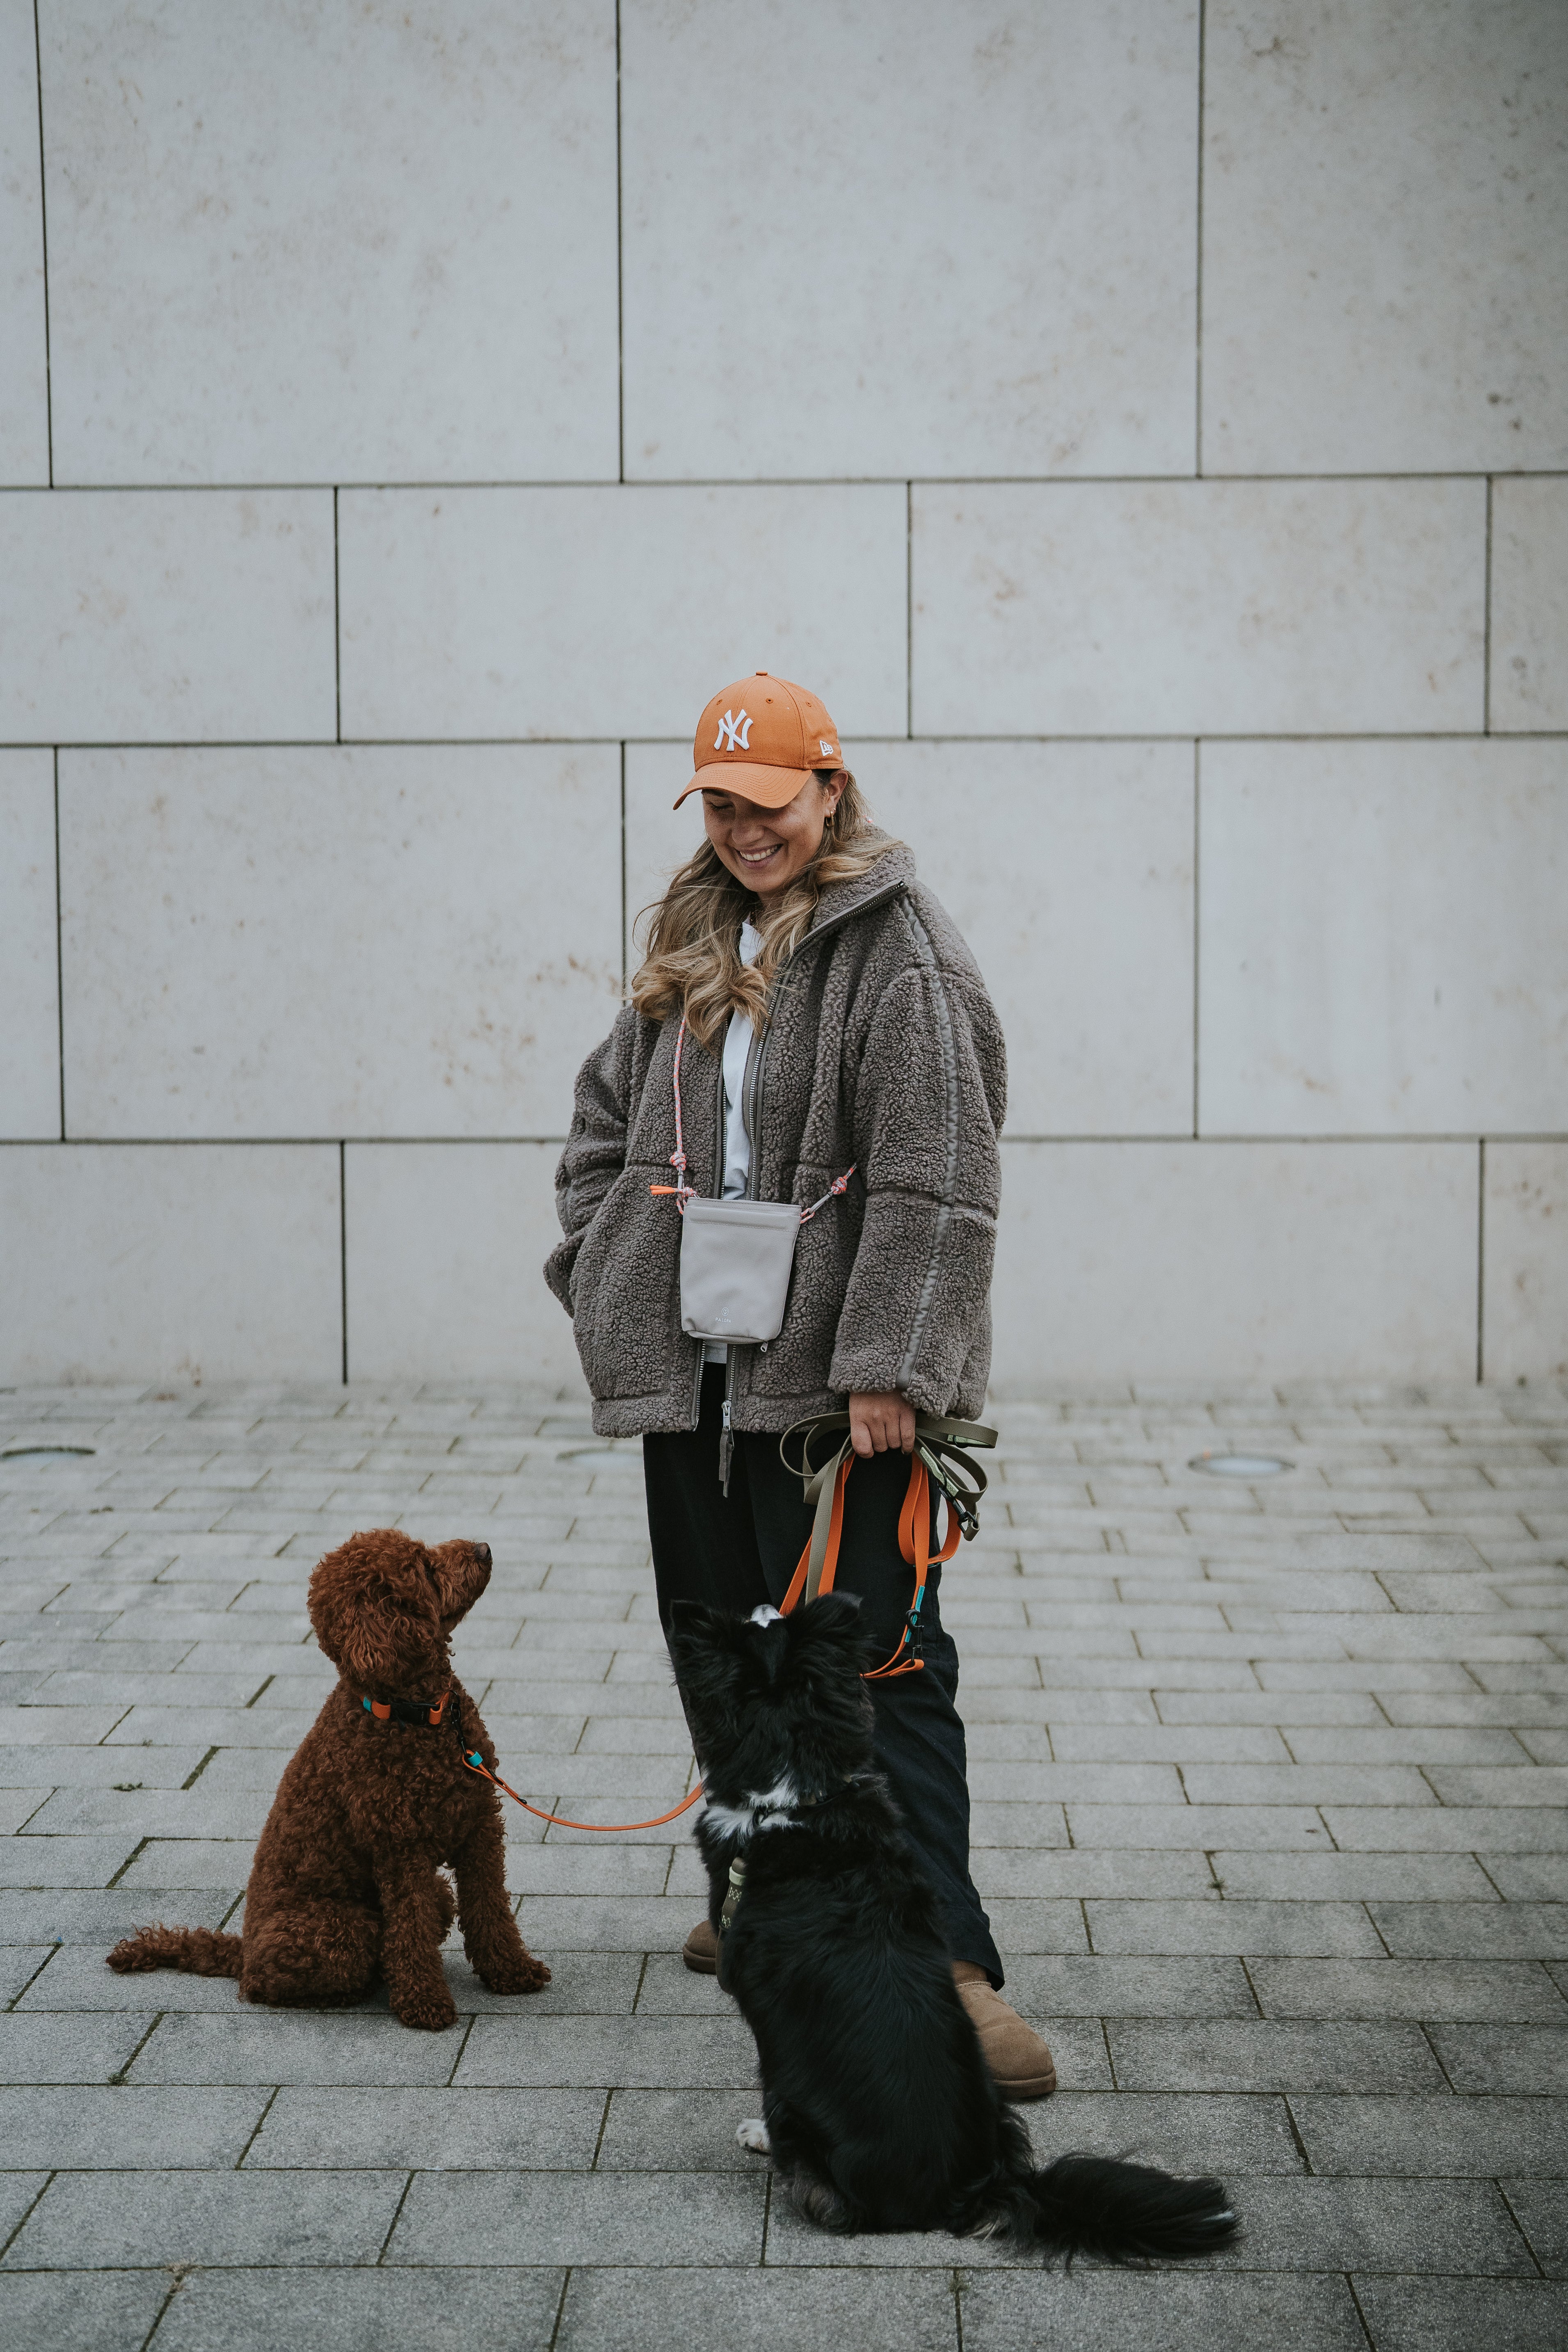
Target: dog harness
point(419, 1711)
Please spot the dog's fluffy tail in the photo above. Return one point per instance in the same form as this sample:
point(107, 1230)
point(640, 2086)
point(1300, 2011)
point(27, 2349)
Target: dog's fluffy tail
point(1121, 2213)
point(199, 1951)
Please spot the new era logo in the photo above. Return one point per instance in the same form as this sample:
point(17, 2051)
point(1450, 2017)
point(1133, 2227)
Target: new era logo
point(734, 734)
point(831, 749)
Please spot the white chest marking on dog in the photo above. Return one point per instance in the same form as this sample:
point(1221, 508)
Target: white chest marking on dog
point(765, 1809)
point(764, 1613)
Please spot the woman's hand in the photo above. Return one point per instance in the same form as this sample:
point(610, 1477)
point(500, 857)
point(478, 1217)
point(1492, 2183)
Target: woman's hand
point(881, 1421)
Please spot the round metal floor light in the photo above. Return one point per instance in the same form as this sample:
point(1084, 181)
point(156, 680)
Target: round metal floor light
point(1240, 1465)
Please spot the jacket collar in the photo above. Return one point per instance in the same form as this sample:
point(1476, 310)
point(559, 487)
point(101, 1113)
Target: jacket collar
point(893, 871)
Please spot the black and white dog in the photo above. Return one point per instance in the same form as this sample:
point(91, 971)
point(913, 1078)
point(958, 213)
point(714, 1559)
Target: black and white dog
point(878, 2107)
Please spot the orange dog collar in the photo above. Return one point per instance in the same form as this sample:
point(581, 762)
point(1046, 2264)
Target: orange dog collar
point(407, 1710)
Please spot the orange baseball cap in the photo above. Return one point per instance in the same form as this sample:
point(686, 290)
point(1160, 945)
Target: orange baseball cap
point(760, 739)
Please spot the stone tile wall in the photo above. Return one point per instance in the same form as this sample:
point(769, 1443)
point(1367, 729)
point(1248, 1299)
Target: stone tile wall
point(1148, 428)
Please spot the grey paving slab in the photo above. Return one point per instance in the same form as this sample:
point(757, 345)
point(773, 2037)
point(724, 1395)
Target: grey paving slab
point(1306, 1784)
point(1265, 2054)
point(19, 2192)
point(653, 2219)
point(1162, 2311)
point(256, 2046)
point(63, 1767)
point(1273, 1829)
point(587, 1923)
point(1072, 1876)
point(674, 2131)
point(1233, 1926)
point(1541, 2210)
point(1438, 2137)
point(1347, 1744)
point(1354, 1877)
point(1218, 2132)
point(77, 1977)
point(1095, 1985)
point(81, 2311)
point(1530, 1877)
point(126, 2129)
point(57, 1726)
point(669, 1988)
point(656, 2052)
point(364, 2310)
point(1456, 2315)
point(1523, 2058)
point(138, 2220)
point(1281, 1708)
point(230, 1691)
point(608, 2310)
point(97, 1915)
point(437, 2130)
point(174, 1864)
point(1449, 1828)
point(607, 1868)
point(588, 1984)
point(1183, 1744)
point(794, 2242)
point(1481, 1989)
point(19, 1964)
point(1458, 2226)
point(232, 1729)
point(66, 2048)
point(1533, 1931)
point(64, 1861)
point(132, 1813)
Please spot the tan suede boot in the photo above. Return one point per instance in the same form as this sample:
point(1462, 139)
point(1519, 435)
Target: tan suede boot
point(700, 1950)
point(1021, 2065)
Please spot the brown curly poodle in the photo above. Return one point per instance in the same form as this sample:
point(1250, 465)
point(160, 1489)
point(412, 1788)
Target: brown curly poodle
point(344, 1888)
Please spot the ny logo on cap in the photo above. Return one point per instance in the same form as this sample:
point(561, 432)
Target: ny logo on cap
point(733, 733)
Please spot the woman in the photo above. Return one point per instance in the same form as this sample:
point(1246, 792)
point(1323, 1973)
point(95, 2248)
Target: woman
point(834, 1019)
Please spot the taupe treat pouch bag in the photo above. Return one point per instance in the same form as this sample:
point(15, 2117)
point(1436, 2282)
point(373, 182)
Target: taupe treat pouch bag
point(736, 1256)
point(735, 1262)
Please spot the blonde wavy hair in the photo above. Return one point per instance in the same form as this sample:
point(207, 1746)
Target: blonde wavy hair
point(693, 960)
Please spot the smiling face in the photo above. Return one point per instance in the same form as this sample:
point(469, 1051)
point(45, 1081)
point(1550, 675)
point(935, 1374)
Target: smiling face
point(765, 848)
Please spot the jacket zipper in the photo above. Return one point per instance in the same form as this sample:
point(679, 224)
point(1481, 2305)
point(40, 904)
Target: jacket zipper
point(751, 1104)
point(752, 1083)
point(724, 1441)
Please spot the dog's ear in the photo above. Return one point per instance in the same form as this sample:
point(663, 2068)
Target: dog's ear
point(698, 1633)
point(829, 1634)
point(706, 1648)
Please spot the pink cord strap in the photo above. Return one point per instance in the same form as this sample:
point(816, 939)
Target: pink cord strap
point(682, 1191)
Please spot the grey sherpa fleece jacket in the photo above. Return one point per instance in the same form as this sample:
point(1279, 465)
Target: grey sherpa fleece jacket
point(884, 1051)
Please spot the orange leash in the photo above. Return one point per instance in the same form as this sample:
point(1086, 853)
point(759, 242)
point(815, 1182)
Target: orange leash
point(477, 1764)
point(914, 1543)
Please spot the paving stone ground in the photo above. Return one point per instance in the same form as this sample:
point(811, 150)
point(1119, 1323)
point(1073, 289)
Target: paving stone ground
point(1269, 1780)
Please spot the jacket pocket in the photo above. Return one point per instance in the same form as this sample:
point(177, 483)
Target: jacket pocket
point(628, 1292)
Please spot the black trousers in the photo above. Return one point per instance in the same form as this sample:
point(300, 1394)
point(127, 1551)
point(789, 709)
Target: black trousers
point(737, 1551)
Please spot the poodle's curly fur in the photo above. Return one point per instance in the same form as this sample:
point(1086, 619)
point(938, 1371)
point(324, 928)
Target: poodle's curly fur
point(345, 1887)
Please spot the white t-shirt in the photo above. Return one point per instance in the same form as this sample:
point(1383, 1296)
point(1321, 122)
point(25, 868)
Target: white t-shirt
point(737, 1142)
